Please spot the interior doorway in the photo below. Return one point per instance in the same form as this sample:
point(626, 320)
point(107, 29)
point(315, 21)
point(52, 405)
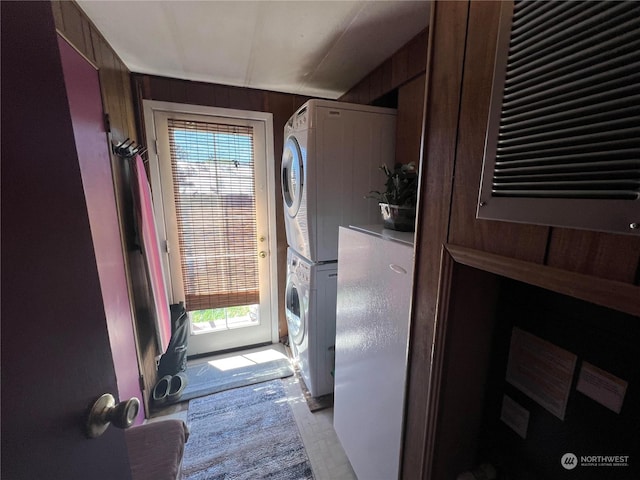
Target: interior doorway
point(214, 198)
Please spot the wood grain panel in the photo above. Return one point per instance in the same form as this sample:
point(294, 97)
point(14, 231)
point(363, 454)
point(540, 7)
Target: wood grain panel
point(56, 8)
point(72, 19)
point(387, 77)
point(223, 96)
point(466, 313)
point(127, 98)
point(444, 78)
point(247, 98)
point(409, 61)
point(281, 106)
point(88, 41)
point(409, 120)
point(607, 293)
point(112, 89)
point(417, 52)
point(400, 66)
point(614, 257)
point(375, 84)
point(526, 242)
point(178, 90)
point(201, 94)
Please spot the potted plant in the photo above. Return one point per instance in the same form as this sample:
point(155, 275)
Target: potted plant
point(398, 201)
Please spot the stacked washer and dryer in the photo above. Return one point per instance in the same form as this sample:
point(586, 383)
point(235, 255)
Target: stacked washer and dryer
point(330, 162)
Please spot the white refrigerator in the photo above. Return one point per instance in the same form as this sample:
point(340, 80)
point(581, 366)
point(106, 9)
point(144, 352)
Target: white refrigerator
point(375, 269)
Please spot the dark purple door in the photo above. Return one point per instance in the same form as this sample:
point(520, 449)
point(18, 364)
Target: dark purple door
point(56, 353)
point(85, 103)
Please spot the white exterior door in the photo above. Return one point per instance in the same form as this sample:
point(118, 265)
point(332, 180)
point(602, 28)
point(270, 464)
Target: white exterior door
point(213, 188)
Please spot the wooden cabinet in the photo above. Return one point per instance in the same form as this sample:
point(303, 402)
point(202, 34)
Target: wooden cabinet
point(460, 65)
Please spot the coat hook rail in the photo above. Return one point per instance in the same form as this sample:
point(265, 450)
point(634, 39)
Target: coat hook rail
point(128, 149)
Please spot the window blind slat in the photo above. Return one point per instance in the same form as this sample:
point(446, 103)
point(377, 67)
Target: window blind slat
point(214, 191)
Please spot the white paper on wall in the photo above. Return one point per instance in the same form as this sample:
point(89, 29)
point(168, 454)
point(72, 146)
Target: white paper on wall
point(541, 370)
point(601, 386)
point(515, 416)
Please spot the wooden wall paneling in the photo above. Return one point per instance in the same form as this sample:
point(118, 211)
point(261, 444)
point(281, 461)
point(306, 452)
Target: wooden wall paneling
point(247, 98)
point(364, 92)
point(56, 8)
point(410, 60)
point(400, 66)
point(417, 52)
point(202, 94)
point(526, 242)
point(603, 255)
point(73, 29)
point(281, 106)
point(223, 96)
point(444, 77)
point(467, 303)
point(87, 27)
point(110, 84)
point(409, 120)
point(375, 83)
point(179, 90)
point(127, 102)
point(387, 76)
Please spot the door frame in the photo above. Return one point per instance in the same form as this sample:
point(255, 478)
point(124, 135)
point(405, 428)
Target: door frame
point(152, 106)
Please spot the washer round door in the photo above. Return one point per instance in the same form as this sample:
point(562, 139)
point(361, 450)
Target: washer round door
point(295, 311)
point(292, 176)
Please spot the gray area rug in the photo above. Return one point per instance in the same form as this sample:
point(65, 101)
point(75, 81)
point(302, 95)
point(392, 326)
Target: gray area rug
point(234, 371)
point(247, 433)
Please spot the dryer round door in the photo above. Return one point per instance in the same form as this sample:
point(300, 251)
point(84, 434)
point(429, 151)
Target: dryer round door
point(292, 176)
point(295, 311)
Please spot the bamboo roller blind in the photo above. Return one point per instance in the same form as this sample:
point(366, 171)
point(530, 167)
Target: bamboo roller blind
point(214, 189)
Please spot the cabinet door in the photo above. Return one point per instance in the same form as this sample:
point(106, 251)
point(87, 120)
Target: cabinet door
point(372, 325)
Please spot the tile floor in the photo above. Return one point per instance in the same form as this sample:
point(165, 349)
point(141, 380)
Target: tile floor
point(327, 458)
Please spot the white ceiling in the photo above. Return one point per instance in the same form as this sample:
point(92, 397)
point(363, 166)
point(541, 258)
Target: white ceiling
point(313, 48)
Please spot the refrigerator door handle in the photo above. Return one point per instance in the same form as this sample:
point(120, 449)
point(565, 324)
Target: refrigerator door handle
point(397, 268)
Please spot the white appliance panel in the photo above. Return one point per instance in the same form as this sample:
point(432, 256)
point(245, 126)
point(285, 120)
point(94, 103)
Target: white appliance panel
point(372, 333)
point(342, 147)
point(310, 300)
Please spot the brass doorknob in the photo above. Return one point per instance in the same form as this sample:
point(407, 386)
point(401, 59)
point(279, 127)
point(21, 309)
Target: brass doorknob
point(105, 411)
point(262, 254)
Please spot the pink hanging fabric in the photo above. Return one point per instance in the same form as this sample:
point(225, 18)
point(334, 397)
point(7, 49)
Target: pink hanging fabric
point(151, 251)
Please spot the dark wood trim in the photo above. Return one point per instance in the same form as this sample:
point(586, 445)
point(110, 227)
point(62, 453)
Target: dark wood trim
point(437, 361)
point(469, 286)
point(620, 296)
point(464, 326)
point(445, 56)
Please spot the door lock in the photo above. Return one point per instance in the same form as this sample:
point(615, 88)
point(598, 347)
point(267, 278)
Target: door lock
point(261, 238)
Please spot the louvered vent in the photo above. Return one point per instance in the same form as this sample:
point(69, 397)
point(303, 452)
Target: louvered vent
point(566, 120)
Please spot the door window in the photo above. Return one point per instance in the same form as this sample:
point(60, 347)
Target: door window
point(292, 176)
point(295, 321)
